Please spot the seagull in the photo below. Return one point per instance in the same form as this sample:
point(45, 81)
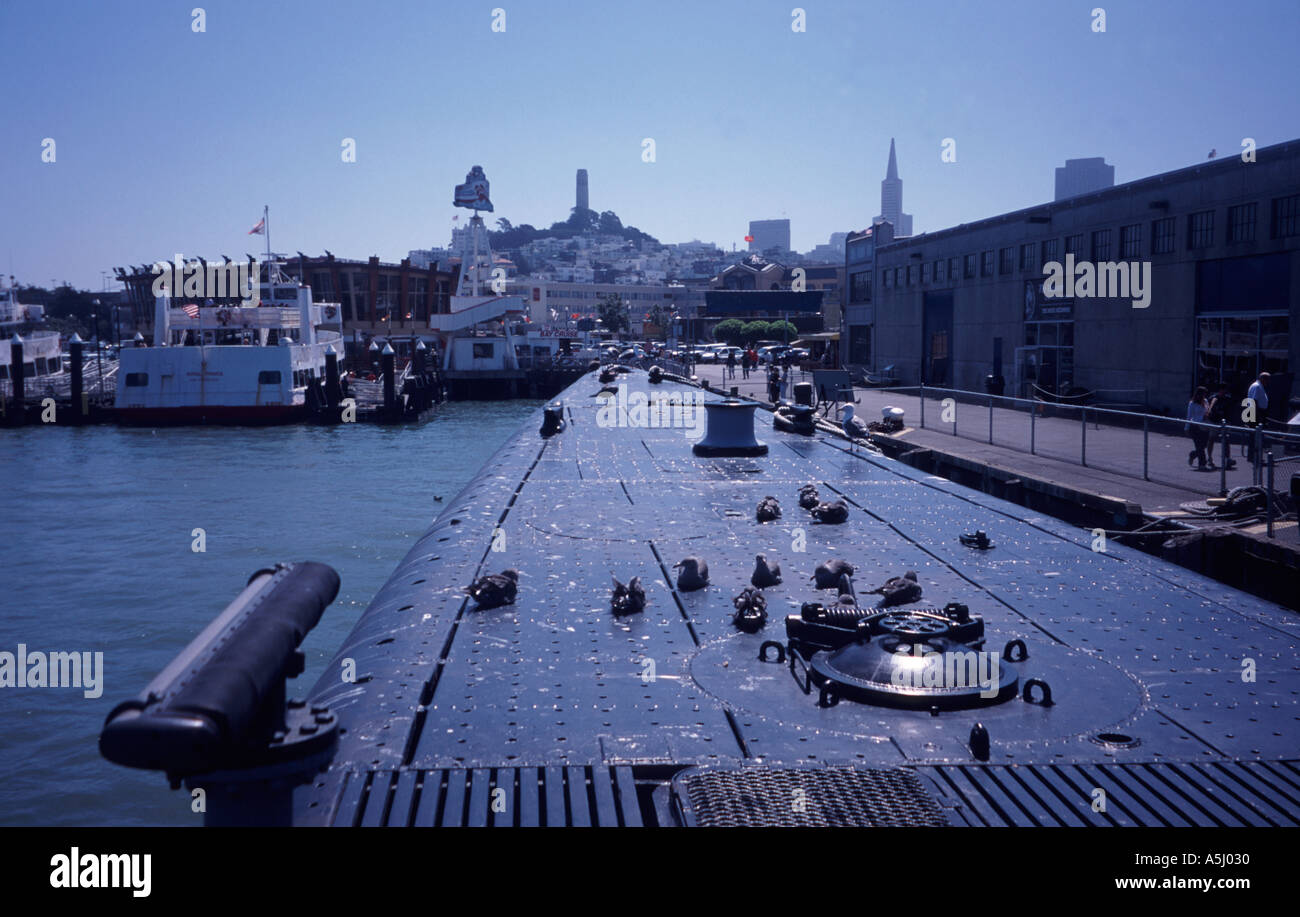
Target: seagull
point(494, 590)
point(828, 574)
point(854, 429)
point(808, 496)
point(751, 610)
point(899, 590)
point(629, 599)
point(694, 575)
point(768, 509)
point(831, 513)
point(765, 574)
point(1214, 152)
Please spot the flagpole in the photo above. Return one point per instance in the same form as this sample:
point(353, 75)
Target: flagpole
point(266, 226)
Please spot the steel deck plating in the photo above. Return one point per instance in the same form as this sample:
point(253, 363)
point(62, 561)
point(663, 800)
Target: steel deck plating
point(553, 711)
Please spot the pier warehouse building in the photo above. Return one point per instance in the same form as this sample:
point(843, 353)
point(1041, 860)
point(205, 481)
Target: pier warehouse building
point(1222, 240)
point(375, 298)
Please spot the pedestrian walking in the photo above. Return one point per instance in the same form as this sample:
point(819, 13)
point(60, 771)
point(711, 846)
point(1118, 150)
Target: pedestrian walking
point(1217, 414)
point(1258, 393)
point(731, 363)
point(744, 364)
point(1196, 409)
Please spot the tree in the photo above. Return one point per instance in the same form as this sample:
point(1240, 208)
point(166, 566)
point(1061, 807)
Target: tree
point(610, 224)
point(504, 225)
point(730, 331)
point(613, 313)
point(785, 332)
point(756, 331)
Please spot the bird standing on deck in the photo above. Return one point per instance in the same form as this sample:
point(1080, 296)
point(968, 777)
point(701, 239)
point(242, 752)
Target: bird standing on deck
point(629, 599)
point(494, 590)
point(751, 610)
point(694, 574)
point(854, 429)
point(831, 513)
point(828, 575)
point(768, 509)
point(808, 496)
point(765, 574)
point(899, 590)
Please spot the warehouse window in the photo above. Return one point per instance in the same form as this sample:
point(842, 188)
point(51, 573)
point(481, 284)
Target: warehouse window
point(1101, 245)
point(1286, 216)
point(1200, 229)
point(1241, 223)
point(1130, 241)
point(1162, 236)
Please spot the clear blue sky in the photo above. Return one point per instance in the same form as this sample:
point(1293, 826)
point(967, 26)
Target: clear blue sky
point(171, 141)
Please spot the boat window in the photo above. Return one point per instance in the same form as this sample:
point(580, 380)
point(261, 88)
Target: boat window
point(268, 377)
point(482, 351)
point(4, 370)
point(40, 366)
point(137, 379)
point(54, 364)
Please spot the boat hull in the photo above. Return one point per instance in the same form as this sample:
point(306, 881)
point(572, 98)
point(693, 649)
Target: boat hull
point(230, 415)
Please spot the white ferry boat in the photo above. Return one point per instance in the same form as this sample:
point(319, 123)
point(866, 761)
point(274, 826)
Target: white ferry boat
point(42, 364)
point(229, 363)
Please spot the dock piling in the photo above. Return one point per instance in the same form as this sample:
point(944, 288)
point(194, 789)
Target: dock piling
point(79, 399)
point(16, 375)
point(388, 360)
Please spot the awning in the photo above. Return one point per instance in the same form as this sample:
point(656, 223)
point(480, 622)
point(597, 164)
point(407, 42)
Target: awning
point(820, 336)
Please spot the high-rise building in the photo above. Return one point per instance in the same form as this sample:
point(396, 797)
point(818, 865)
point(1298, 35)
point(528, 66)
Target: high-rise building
point(1083, 176)
point(769, 234)
point(891, 198)
point(582, 190)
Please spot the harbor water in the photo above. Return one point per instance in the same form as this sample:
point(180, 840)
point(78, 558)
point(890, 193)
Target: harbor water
point(102, 553)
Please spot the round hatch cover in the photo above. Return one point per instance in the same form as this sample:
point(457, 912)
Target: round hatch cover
point(916, 671)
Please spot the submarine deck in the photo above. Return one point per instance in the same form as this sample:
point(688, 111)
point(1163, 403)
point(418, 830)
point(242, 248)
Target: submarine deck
point(669, 717)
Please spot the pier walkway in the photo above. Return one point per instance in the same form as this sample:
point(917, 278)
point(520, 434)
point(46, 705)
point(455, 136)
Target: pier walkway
point(1114, 455)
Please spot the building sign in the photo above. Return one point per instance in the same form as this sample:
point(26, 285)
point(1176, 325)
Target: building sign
point(1039, 308)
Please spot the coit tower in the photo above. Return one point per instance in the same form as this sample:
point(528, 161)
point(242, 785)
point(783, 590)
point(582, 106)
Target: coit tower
point(582, 190)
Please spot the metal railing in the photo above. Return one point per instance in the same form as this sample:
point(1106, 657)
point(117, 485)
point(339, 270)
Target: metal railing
point(1146, 446)
point(1272, 510)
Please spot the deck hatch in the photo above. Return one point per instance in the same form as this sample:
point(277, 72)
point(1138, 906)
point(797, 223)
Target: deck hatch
point(805, 797)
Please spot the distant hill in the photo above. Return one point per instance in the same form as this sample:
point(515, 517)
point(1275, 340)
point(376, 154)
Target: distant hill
point(580, 222)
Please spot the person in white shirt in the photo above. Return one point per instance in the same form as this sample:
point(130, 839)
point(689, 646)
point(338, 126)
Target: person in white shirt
point(1258, 393)
point(1200, 436)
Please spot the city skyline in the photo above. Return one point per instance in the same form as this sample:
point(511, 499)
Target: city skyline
point(170, 140)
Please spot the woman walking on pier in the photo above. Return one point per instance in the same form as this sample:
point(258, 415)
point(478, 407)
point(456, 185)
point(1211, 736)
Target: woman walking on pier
point(1195, 417)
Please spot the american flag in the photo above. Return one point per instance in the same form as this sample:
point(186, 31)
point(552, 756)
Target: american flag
point(259, 229)
point(191, 310)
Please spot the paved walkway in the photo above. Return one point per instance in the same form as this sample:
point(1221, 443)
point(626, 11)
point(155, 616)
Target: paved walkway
point(1113, 455)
